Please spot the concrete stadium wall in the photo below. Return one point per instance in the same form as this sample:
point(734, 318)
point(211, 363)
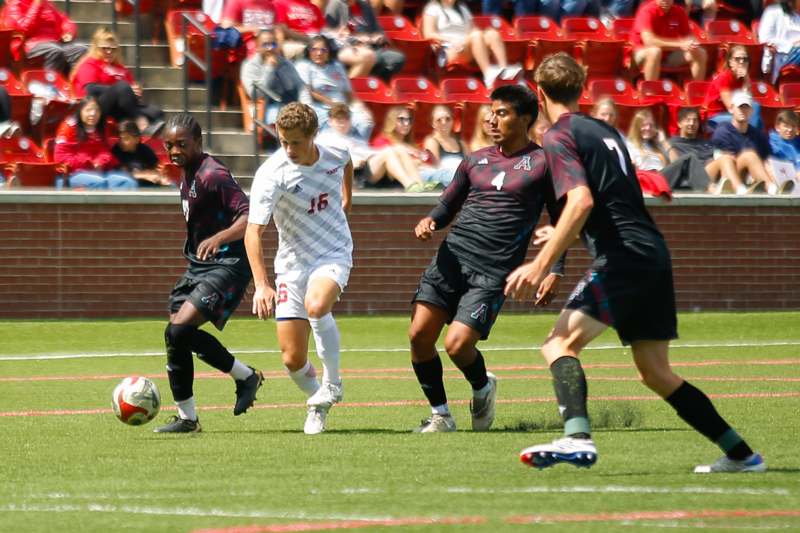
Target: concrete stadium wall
point(80, 254)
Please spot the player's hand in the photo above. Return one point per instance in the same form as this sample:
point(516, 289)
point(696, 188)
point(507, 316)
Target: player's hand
point(543, 234)
point(425, 228)
point(523, 282)
point(264, 302)
point(208, 248)
point(547, 290)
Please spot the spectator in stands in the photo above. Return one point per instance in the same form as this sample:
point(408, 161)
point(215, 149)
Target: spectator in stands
point(661, 35)
point(360, 39)
point(373, 167)
point(393, 6)
point(539, 128)
point(732, 77)
point(692, 164)
point(326, 83)
point(102, 75)
point(82, 146)
point(248, 17)
point(445, 146)
point(450, 23)
point(481, 137)
point(272, 73)
point(47, 33)
point(136, 159)
point(8, 128)
point(779, 30)
point(558, 9)
point(300, 20)
point(784, 142)
point(647, 144)
point(742, 149)
point(605, 109)
point(397, 128)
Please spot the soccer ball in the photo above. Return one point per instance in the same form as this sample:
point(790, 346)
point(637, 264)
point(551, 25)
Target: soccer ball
point(136, 401)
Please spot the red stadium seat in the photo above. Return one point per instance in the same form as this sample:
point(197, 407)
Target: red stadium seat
point(418, 51)
point(600, 51)
point(471, 94)
point(626, 99)
point(56, 109)
point(516, 46)
point(376, 96)
point(666, 93)
point(695, 92)
point(18, 149)
point(34, 174)
point(770, 101)
point(790, 93)
point(621, 28)
point(6, 59)
point(545, 38)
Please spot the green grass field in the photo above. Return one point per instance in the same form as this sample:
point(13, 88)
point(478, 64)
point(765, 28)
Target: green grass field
point(69, 465)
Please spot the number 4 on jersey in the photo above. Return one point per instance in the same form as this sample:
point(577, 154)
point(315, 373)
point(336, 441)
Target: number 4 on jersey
point(498, 180)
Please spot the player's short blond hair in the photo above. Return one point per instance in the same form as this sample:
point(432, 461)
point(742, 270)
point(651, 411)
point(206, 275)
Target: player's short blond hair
point(561, 78)
point(298, 116)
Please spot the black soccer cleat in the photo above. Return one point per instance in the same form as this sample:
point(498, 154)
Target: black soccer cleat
point(180, 425)
point(246, 391)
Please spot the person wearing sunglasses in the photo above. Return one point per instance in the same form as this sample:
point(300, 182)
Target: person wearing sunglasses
point(447, 148)
point(732, 77)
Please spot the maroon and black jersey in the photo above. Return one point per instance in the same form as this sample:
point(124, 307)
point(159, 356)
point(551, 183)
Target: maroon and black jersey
point(212, 200)
point(619, 232)
point(500, 198)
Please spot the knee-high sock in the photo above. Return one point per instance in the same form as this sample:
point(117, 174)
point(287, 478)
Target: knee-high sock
point(476, 372)
point(429, 374)
point(326, 337)
point(305, 378)
point(211, 351)
point(180, 365)
point(569, 382)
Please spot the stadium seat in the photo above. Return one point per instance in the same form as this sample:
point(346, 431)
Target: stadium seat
point(731, 32)
point(621, 28)
point(770, 101)
point(20, 98)
point(6, 60)
point(34, 174)
point(695, 92)
point(376, 95)
point(56, 109)
point(18, 149)
point(471, 95)
point(790, 93)
point(406, 37)
point(601, 52)
point(516, 46)
point(624, 96)
point(667, 94)
point(545, 38)
point(423, 95)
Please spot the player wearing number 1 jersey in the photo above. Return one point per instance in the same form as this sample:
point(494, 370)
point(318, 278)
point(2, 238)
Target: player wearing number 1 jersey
point(306, 187)
point(500, 192)
point(629, 286)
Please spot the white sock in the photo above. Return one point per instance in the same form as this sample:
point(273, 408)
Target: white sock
point(240, 371)
point(483, 392)
point(440, 409)
point(305, 378)
point(186, 409)
point(326, 337)
point(772, 188)
point(741, 189)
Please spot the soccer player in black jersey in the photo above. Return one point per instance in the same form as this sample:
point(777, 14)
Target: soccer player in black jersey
point(216, 212)
point(500, 192)
point(629, 286)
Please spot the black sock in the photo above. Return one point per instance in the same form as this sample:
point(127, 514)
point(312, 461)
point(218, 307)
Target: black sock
point(569, 382)
point(210, 350)
point(180, 365)
point(696, 409)
point(476, 372)
point(429, 374)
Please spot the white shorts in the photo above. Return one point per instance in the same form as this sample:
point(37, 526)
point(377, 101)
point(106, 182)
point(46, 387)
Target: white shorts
point(291, 287)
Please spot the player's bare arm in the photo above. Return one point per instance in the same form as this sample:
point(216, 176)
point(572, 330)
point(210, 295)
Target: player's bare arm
point(347, 187)
point(425, 228)
point(264, 297)
point(209, 247)
point(522, 281)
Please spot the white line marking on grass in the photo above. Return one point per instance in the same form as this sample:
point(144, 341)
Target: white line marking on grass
point(249, 351)
point(651, 515)
point(620, 489)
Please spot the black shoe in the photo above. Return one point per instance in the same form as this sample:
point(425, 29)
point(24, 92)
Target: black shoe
point(246, 391)
point(180, 425)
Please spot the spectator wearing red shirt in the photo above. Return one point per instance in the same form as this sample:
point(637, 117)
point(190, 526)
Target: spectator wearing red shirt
point(82, 146)
point(249, 17)
point(661, 34)
point(47, 32)
point(300, 21)
point(733, 77)
point(102, 75)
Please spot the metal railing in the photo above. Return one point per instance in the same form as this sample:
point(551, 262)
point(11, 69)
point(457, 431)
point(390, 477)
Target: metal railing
point(205, 67)
point(137, 23)
point(258, 123)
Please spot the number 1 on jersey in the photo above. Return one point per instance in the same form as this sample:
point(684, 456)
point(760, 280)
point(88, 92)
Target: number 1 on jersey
point(614, 147)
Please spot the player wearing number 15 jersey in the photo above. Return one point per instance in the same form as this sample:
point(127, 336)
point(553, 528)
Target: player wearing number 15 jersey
point(306, 187)
point(498, 193)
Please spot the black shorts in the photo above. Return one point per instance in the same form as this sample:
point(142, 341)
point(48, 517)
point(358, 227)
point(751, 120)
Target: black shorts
point(639, 304)
point(469, 297)
point(215, 291)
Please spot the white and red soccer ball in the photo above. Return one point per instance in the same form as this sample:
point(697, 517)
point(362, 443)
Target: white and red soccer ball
point(136, 401)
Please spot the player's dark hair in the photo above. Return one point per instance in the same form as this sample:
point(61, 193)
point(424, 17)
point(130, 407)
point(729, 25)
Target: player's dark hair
point(686, 111)
point(187, 122)
point(129, 127)
point(561, 78)
point(521, 99)
point(101, 122)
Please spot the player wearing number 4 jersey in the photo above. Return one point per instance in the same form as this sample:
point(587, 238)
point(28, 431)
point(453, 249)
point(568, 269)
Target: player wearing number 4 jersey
point(500, 192)
point(306, 187)
point(629, 286)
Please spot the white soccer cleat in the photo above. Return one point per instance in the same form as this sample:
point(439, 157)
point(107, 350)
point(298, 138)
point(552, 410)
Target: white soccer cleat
point(482, 409)
point(315, 420)
point(437, 424)
point(754, 463)
point(327, 395)
point(577, 452)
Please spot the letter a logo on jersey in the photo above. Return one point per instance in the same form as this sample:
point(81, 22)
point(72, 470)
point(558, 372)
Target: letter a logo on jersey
point(524, 163)
point(480, 314)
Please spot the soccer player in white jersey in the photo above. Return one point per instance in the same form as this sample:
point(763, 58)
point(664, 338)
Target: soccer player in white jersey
point(307, 188)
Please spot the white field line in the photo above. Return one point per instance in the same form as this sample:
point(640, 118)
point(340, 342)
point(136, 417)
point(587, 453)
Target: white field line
point(249, 351)
point(621, 489)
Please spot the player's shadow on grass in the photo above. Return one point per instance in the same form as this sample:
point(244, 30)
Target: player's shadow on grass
point(266, 431)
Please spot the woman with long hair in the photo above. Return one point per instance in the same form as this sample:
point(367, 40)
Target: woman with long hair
point(82, 146)
point(102, 75)
point(447, 148)
point(647, 144)
point(779, 32)
point(483, 125)
point(733, 76)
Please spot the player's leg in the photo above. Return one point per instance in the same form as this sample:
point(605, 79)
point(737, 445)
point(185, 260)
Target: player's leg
point(695, 408)
point(427, 321)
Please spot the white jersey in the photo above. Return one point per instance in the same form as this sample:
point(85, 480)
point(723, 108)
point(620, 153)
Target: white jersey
point(306, 202)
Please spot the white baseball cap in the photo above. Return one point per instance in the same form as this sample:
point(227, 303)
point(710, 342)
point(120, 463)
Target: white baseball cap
point(741, 98)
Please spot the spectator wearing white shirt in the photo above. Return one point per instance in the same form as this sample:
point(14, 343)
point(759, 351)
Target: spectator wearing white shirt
point(779, 31)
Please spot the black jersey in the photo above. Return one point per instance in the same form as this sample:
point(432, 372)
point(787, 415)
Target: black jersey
point(619, 232)
point(500, 198)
